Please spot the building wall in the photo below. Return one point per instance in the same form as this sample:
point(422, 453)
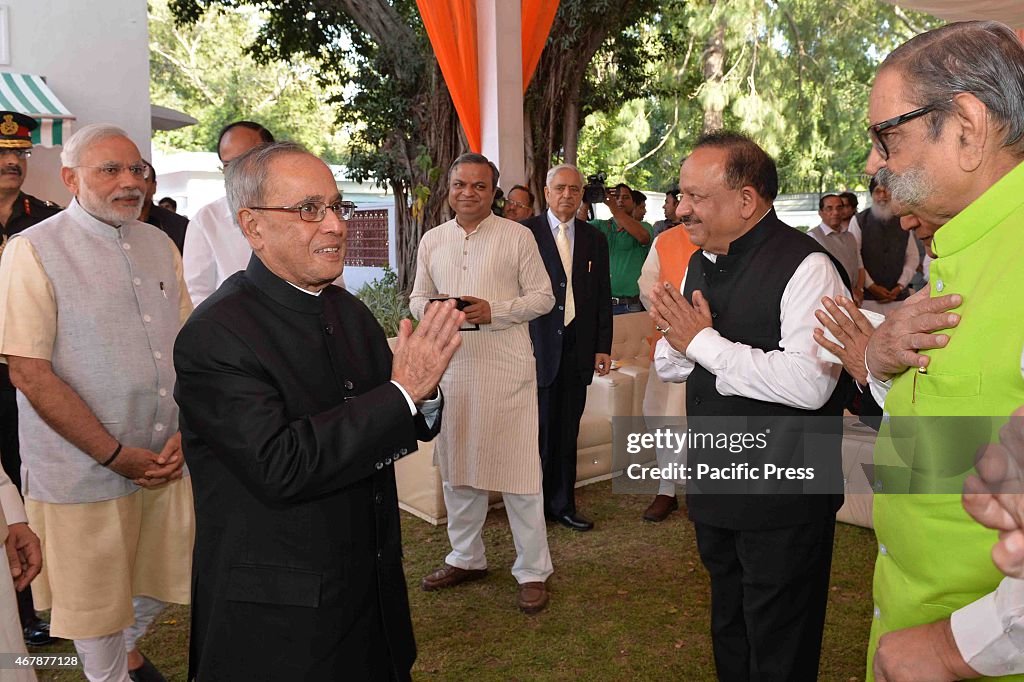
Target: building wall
point(94, 55)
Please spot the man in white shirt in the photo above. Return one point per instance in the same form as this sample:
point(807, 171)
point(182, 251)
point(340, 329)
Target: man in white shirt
point(839, 241)
point(25, 558)
point(740, 336)
point(215, 248)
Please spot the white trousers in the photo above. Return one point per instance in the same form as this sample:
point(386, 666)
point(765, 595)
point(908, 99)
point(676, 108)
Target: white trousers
point(665, 404)
point(105, 659)
point(467, 511)
point(12, 641)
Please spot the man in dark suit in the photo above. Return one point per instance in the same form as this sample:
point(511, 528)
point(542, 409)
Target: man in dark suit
point(573, 340)
point(740, 334)
point(292, 413)
point(172, 224)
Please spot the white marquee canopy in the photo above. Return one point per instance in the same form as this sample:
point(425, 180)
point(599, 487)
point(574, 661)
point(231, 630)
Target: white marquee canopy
point(1010, 12)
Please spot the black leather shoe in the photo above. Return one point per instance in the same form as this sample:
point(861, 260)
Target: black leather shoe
point(37, 633)
point(147, 672)
point(573, 521)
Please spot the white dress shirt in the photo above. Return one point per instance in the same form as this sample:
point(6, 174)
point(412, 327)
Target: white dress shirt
point(794, 376)
point(215, 249)
point(990, 631)
point(570, 231)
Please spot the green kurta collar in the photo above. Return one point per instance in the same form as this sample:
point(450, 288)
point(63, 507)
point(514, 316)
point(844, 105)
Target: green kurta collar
point(987, 211)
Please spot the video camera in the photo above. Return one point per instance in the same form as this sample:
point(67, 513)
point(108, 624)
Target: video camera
point(593, 192)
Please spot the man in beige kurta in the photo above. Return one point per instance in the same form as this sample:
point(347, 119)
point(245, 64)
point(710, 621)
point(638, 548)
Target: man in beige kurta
point(489, 435)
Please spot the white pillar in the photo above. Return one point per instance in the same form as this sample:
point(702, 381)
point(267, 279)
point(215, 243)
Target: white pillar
point(500, 73)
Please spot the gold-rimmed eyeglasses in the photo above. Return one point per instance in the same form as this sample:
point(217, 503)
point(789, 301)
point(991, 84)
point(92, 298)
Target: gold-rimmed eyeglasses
point(315, 211)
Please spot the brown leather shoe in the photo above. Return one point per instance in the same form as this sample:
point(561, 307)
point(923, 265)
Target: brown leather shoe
point(662, 506)
point(533, 597)
point(450, 576)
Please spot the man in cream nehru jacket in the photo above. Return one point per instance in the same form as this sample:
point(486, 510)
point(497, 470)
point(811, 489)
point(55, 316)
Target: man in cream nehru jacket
point(90, 303)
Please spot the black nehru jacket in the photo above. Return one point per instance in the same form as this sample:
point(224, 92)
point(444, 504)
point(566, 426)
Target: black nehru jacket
point(744, 290)
point(884, 250)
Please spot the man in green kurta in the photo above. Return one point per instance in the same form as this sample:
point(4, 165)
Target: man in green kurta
point(948, 142)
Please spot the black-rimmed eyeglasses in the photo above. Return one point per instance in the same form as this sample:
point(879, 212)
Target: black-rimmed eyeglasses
point(315, 211)
point(875, 131)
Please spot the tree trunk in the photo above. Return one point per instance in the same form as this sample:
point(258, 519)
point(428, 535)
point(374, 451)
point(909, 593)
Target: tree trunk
point(714, 74)
point(421, 197)
point(571, 129)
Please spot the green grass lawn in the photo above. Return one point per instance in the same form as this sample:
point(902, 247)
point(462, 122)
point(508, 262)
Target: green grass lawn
point(629, 601)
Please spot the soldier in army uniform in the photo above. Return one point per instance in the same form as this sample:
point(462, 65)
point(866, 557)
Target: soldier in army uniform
point(18, 211)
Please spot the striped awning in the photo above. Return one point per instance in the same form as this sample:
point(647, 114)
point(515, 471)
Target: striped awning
point(30, 95)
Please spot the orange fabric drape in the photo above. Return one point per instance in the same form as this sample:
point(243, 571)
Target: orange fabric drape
point(451, 27)
point(537, 17)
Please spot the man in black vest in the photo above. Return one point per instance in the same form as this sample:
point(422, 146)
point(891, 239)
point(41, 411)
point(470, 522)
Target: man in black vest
point(890, 253)
point(740, 335)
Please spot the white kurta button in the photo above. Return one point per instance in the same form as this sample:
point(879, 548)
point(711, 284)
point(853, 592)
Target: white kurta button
point(939, 285)
point(162, 392)
point(878, 613)
point(157, 354)
point(147, 318)
point(136, 281)
point(126, 247)
point(158, 427)
point(883, 550)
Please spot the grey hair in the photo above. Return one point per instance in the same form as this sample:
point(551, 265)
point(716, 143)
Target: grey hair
point(983, 58)
point(85, 137)
point(245, 177)
point(561, 167)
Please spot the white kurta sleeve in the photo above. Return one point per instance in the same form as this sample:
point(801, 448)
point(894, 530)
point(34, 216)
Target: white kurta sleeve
point(423, 288)
point(535, 297)
point(10, 501)
point(199, 264)
point(911, 259)
point(650, 273)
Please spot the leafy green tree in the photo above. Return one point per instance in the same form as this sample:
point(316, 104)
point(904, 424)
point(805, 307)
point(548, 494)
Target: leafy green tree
point(404, 130)
point(204, 70)
point(795, 74)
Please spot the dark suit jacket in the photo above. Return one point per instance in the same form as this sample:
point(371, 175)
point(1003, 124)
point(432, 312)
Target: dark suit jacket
point(290, 427)
point(591, 287)
point(171, 223)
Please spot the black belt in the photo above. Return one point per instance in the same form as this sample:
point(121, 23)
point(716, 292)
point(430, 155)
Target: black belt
point(620, 300)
